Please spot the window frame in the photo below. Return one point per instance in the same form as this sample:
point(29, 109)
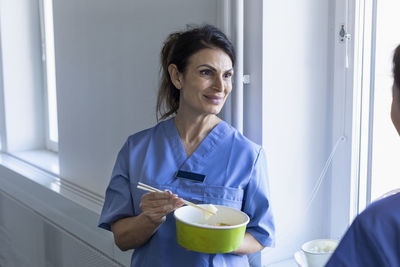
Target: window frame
point(365, 37)
point(354, 86)
point(3, 132)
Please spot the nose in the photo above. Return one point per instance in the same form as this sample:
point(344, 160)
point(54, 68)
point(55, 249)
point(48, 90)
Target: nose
point(218, 84)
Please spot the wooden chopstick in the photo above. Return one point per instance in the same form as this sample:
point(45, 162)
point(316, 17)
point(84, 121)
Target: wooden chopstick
point(145, 188)
point(148, 187)
point(153, 189)
point(197, 206)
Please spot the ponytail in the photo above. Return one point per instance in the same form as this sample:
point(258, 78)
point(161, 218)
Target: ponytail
point(168, 94)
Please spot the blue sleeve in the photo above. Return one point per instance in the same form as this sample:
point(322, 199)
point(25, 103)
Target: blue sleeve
point(359, 246)
point(118, 202)
point(257, 204)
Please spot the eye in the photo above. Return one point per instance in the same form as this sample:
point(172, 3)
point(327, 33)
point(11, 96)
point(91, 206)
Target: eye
point(228, 75)
point(205, 72)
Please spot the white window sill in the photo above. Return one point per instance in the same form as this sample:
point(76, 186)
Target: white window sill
point(63, 204)
point(41, 167)
point(43, 159)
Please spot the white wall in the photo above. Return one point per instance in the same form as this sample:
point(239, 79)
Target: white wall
point(107, 66)
point(297, 123)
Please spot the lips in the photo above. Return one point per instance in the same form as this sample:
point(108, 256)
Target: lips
point(215, 99)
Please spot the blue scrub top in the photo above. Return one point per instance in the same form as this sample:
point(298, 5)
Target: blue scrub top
point(236, 176)
point(373, 239)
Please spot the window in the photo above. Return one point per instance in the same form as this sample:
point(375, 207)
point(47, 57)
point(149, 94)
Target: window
point(28, 109)
point(48, 59)
point(379, 146)
point(385, 143)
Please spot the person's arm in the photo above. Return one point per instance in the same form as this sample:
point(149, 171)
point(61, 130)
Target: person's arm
point(248, 246)
point(260, 230)
point(133, 232)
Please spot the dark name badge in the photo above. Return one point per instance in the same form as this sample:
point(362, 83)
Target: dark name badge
point(197, 177)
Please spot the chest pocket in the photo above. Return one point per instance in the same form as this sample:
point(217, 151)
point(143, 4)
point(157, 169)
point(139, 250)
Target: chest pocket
point(200, 193)
point(226, 196)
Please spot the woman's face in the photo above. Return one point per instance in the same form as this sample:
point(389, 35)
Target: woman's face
point(206, 82)
point(395, 112)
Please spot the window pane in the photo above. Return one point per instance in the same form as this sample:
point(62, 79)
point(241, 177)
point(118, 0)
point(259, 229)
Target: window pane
point(50, 69)
point(386, 142)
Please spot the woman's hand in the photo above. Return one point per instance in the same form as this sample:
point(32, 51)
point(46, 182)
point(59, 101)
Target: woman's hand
point(249, 245)
point(133, 232)
point(156, 205)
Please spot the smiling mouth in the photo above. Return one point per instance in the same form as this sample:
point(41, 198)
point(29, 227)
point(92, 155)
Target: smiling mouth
point(214, 99)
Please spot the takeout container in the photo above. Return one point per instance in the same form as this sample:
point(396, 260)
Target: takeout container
point(195, 232)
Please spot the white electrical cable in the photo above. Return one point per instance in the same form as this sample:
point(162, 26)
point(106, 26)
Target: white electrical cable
point(323, 173)
point(315, 189)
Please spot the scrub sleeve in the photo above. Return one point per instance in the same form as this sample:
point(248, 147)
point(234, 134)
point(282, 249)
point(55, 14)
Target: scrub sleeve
point(118, 202)
point(257, 205)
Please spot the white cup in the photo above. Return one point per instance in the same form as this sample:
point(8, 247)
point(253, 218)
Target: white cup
point(300, 259)
point(316, 252)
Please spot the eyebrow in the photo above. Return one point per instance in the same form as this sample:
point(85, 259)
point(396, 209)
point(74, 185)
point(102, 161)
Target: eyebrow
point(212, 68)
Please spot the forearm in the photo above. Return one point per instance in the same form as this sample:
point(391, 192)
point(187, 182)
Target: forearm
point(248, 246)
point(133, 232)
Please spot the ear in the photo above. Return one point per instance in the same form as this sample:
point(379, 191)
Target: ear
point(176, 76)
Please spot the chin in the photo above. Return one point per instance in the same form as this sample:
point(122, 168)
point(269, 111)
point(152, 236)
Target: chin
point(398, 130)
point(395, 116)
point(216, 112)
point(397, 126)
point(213, 110)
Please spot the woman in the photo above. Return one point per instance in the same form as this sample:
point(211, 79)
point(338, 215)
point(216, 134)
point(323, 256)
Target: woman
point(191, 153)
point(373, 239)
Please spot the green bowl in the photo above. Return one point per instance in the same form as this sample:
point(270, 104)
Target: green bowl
point(196, 232)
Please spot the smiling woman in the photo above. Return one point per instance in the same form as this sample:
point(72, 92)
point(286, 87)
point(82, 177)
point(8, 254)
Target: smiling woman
point(204, 87)
point(206, 82)
point(194, 154)
point(175, 57)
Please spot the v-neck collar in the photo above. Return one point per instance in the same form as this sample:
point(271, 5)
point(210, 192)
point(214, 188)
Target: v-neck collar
point(193, 163)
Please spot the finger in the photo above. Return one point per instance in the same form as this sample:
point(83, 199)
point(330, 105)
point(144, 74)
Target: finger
point(154, 203)
point(168, 191)
point(158, 205)
point(156, 196)
point(159, 211)
point(171, 194)
point(167, 208)
point(179, 202)
point(174, 196)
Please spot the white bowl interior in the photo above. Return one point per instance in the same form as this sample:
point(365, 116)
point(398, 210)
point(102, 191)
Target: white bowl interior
point(320, 246)
point(193, 216)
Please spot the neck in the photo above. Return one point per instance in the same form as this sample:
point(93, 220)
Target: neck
point(191, 128)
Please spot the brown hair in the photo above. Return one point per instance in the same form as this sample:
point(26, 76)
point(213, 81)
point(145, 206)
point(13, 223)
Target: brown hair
point(177, 49)
point(396, 66)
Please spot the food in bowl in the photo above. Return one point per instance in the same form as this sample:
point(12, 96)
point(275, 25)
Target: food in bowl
point(221, 233)
point(212, 209)
point(221, 224)
point(317, 252)
point(325, 249)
